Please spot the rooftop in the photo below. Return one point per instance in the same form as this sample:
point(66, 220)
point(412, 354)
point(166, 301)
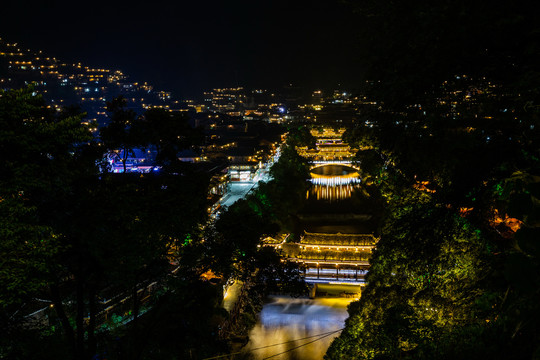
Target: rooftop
point(338, 239)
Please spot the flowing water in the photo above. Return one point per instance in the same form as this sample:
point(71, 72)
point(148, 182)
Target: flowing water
point(300, 328)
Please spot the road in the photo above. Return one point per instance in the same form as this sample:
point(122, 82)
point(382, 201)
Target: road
point(238, 190)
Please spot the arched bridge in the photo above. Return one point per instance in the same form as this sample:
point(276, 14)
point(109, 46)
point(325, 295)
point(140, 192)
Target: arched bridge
point(317, 164)
point(345, 173)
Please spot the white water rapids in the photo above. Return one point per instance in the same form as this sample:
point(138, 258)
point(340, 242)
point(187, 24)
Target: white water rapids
point(284, 320)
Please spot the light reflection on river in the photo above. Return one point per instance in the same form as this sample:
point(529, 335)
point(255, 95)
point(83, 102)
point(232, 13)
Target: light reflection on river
point(284, 319)
point(333, 182)
point(331, 193)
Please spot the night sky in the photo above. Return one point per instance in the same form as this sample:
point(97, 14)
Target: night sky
point(188, 47)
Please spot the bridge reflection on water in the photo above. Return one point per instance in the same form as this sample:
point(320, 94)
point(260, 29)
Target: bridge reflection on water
point(333, 181)
point(331, 192)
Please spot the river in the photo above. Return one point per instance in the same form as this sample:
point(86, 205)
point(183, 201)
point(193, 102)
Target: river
point(298, 329)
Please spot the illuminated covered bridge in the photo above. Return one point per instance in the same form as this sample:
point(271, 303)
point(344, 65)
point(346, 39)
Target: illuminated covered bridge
point(343, 257)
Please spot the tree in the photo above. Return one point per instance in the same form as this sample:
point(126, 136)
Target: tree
point(41, 155)
point(123, 132)
point(300, 136)
point(427, 274)
point(38, 153)
point(74, 235)
point(169, 133)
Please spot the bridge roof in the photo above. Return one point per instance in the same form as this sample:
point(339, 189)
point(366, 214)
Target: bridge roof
point(338, 239)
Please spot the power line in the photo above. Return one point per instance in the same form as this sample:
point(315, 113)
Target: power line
point(325, 334)
point(299, 346)
point(267, 346)
point(304, 338)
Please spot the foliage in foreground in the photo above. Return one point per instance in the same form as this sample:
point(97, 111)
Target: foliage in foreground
point(453, 150)
point(74, 237)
